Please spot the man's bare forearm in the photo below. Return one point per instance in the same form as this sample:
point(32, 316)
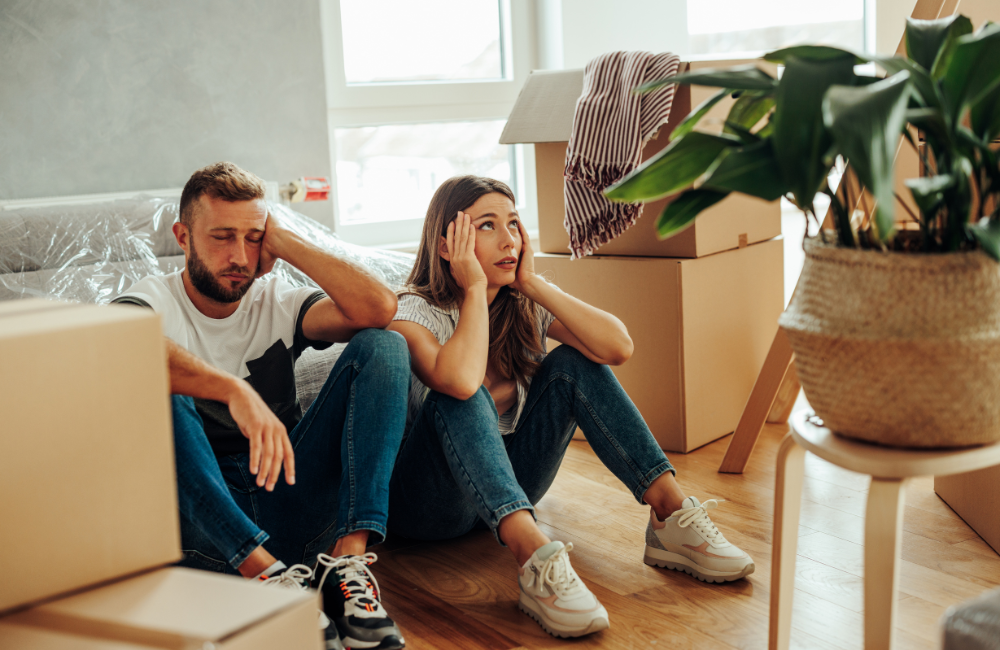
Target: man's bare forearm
point(358, 294)
point(191, 376)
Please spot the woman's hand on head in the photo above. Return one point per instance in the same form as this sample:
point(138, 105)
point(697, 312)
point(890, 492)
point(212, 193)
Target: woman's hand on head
point(525, 263)
point(461, 243)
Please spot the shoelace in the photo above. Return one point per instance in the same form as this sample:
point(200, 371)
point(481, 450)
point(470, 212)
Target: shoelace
point(357, 582)
point(698, 517)
point(558, 573)
point(296, 576)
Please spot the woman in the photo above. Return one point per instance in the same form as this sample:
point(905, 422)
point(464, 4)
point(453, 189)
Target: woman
point(490, 415)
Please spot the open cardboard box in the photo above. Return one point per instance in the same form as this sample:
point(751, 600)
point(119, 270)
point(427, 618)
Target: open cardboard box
point(89, 483)
point(178, 609)
point(543, 116)
point(701, 328)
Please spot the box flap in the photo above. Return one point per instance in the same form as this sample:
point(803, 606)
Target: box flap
point(544, 108)
point(168, 607)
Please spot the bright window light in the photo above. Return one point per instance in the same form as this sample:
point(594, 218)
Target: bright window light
point(394, 41)
point(718, 26)
point(389, 173)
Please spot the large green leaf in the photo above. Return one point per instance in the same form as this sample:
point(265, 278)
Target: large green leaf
point(801, 141)
point(752, 170)
point(987, 233)
point(866, 123)
point(932, 122)
point(681, 213)
point(925, 39)
point(921, 79)
point(691, 121)
point(749, 109)
point(740, 77)
point(961, 26)
point(811, 53)
point(984, 115)
point(672, 169)
point(973, 71)
point(928, 192)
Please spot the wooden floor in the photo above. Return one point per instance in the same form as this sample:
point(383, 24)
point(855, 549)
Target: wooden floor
point(463, 594)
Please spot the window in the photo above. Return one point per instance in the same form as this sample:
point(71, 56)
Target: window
point(716, 26)
point(418, 92)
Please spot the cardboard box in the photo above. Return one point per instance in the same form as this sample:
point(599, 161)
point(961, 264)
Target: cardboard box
point(23, 637)
point(183, 608)
point(701, 328)
point(975, 497)
point(543, 115)
point(88, 482)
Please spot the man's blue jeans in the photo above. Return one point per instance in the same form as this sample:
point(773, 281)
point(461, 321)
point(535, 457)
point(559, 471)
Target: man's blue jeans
point(455, 470)
point(344, 445)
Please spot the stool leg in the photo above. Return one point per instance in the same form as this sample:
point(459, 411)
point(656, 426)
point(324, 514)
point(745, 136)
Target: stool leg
point(784, 540)
point(883, 540)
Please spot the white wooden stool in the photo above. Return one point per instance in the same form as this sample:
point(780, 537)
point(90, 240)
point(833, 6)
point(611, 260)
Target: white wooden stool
point(890, 470)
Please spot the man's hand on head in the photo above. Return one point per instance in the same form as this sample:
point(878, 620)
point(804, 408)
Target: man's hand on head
point(271, 244)
point(270, 448)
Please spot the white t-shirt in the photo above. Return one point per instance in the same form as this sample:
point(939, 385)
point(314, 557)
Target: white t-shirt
point(259, 342)
point(442, 324)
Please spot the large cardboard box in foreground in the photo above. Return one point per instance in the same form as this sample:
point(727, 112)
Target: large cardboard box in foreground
point(543, 115)
point(975, 497)
point(184, 608)
point(88, 485)
point(701, 328)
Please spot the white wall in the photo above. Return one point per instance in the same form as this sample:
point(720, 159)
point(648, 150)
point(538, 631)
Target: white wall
point(592, 27)
point(890, 22)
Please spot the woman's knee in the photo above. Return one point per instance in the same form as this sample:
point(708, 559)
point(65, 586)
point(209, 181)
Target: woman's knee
point(476, 412)
point(569, 360)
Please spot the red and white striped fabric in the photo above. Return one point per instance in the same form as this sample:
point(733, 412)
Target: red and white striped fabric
point(610, 126)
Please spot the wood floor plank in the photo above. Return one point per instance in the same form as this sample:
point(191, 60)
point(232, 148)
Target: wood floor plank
point(977, 545)
point(463, 593)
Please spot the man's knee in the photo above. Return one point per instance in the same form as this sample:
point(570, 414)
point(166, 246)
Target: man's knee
point(388, 347)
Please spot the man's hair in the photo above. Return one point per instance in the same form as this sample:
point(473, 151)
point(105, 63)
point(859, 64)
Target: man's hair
point(223, 180)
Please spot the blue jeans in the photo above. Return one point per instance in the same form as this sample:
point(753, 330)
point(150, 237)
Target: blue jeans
point(455, 470)
point(345, 446)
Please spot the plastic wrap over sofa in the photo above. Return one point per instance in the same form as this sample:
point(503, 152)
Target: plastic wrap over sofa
point(93, 252)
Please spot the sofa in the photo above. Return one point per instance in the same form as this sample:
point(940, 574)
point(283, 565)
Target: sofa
point(93, 252)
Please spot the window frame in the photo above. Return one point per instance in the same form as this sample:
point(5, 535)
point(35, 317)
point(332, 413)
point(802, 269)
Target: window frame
point(384, 103)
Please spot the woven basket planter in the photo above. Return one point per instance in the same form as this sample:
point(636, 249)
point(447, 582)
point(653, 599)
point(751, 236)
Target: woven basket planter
point(899, 349)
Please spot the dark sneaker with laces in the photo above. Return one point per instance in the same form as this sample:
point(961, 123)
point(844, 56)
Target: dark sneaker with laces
point(352, 601)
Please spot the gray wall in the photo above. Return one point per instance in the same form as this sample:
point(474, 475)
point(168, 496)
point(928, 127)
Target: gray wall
point(126, 95)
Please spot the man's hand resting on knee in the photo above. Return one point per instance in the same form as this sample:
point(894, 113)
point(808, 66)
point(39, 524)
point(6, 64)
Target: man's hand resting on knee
point(270, 448)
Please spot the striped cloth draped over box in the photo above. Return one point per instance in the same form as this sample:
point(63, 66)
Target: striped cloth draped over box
point(610, 126)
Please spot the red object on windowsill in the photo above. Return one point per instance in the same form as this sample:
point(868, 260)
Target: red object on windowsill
point(317, 188)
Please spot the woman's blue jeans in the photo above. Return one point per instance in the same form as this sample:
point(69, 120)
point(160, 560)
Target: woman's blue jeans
point(455, 470)
point(345, 446)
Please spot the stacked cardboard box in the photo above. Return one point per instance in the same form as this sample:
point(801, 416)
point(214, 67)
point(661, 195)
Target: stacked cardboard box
point(90, 496)
point(701, 307)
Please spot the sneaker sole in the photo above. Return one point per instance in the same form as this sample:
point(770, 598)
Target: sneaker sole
point(668, 560)
point(388, 643)
point(528, 607)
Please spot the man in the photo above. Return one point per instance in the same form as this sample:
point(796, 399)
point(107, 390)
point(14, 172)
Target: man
point(232, 342)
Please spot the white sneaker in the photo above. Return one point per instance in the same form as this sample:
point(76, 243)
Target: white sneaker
point(553, 595)
point(688, 541)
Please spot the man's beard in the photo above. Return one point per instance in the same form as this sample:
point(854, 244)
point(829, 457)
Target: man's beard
point(208, 286)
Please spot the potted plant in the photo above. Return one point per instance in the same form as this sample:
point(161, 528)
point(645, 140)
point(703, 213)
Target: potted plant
point(895, 321)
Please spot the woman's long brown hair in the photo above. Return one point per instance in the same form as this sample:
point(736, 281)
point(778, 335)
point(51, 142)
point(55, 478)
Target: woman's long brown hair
point(514, 344)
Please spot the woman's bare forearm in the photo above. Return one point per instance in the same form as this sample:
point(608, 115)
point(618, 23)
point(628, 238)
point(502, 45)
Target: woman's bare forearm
point(461, 363)
point(603, 334)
